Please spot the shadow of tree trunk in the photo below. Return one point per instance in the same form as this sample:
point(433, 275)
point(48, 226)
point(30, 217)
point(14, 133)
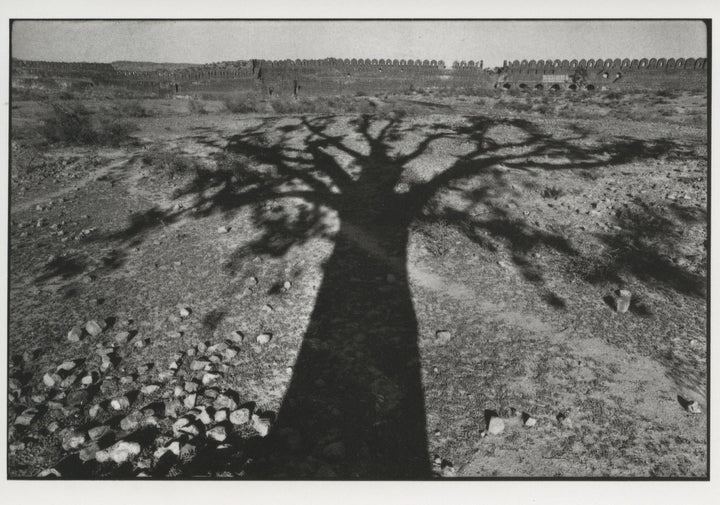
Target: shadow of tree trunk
point(355, 405)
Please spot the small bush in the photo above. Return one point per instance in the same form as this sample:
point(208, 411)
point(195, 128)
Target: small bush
point(132, 108)
point(552, 192)
point(168, 163)
point(197, 107)
point(241, 105)
point(74, 124)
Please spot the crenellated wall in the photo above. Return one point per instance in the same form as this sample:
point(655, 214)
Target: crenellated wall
point(352, 75)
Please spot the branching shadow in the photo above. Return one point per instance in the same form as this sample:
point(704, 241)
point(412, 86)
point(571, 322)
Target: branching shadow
point(355, 405)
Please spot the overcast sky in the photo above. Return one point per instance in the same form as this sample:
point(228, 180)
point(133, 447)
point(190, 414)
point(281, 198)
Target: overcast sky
point(491, 41)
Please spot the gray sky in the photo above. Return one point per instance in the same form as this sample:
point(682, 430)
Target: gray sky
point(491, 41)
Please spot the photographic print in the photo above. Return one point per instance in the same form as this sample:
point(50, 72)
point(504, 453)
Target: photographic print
point(358, 249)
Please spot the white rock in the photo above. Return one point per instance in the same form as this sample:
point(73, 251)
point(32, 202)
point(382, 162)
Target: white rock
point(120, 403)
point(120, 452)
point(50, 380)
point(694, 408)
point(223, 229)
point(189, 400)
point(237, 336)
point(264, 338)
point(98, 431)
point(200, 364)
point(217, 433)
point(122, 337)
point(94, 411)
point(149, 389)
point(75, 334)
point(209, 378)
point(49, 472)
point(95, 328)
point(221, 416)
point(27, 417)
point(240, 416)
point(261, 425)
point(72, 440)
point(66, 366)
point(184, 312)
point(496, 426)
point(530, 422)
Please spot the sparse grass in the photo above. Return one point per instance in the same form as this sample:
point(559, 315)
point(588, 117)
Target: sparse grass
point(132, 108)
point(197, 107)
point(242, 104)
point(170, 163)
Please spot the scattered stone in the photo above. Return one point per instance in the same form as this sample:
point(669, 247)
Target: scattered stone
point(179, 425)
point(217, 433)
point(240, 416)
point(200, 364)
point(209, 378)
point(120, 452)
point(127, 379)
point(261, 425)
point(529, 422)
point(149, 421)
point(623, 301)
point(89, 379)
point(220, 416)
point(131, 422)
point(287, 285)
point(49, 472)
point(53, 427)
point(223, 229)
point(50, 379)
point(443, 336)
point(237, 336)
point(496, 426)
point(88, 452)
point(122, 337)
point(120, 403)
point(189, 400)
point(95, 328)
point(264, 338)
point(187, 452)
point(75, 334)
point(694, 408)
point(174, 334)
point(66, 366)
point(229, 354)
point(149, 389)
point(185, 312)
point(202, 415)
point(27, 417)
point(72, 440)
point(215, 348)
point(224, 402)
point(98, 432)
point(94, 411)
point(68, 381)
point(267, 308)
point(191, 386)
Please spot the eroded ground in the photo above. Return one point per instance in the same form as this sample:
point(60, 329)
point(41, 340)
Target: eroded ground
point(490, 240)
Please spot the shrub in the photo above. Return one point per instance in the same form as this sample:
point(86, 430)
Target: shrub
point(197, 107)
point(242, 104)
point(552, 192)
point(132, 108)
point(74, 124)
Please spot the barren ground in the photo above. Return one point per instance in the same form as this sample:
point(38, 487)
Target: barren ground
point(555, 204)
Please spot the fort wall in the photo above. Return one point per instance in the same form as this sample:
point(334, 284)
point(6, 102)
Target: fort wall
point(372, 75)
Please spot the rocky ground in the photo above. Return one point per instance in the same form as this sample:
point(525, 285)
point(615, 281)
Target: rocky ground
point(151, 335)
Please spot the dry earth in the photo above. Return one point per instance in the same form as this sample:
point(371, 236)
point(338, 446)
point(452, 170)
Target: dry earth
point(532, 215)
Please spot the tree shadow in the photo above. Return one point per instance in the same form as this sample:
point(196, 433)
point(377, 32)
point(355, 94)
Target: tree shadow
point(354, 408)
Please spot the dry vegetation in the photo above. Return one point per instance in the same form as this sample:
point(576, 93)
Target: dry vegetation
point(421, 261)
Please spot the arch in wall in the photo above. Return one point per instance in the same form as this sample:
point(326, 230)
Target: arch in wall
point(403, 62)
point(699, 63)
point(555, 87)
point(471, 64)
point(680, 63)
point(565, 64)
point(353, 61)
point(515, 64)
point(643, 63)
point(425, 63)
point(661, 62)
point(608, 63)
point(583, 63)
point(523, 64)
point(652, 63)
point(557, 63)
point(346, 61)
point(441, 63)
point(374, 61)
point(538, 86)
point(573, 63)
point(396, 62)
point(690, 63)
point(635, 63)
point(411, 63)
point(381, 61)
point(670, 64)
point(625, 63)
point(532, 64)
point(433, 63)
